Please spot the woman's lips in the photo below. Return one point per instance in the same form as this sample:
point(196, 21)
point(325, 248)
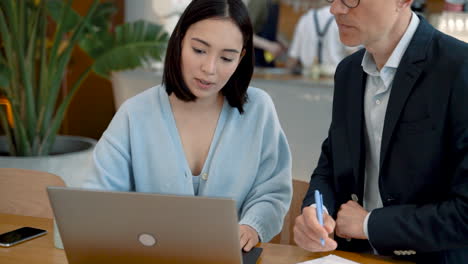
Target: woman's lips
point(204, 84)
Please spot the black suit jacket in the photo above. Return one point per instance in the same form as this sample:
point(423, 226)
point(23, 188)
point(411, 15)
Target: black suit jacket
point(423, 176)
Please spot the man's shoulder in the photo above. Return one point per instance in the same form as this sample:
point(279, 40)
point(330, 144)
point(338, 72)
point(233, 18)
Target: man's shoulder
point(452, 48)
point(443, 46)
point(322, 12)
point(306, 18)
point(325, 10)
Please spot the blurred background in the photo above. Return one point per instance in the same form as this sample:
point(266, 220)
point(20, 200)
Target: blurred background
point(291, 66)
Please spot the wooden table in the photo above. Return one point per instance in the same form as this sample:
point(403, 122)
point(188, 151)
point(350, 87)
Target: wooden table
point(41, 250)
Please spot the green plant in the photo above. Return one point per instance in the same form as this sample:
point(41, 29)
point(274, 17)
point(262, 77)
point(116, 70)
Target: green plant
point(37, 41)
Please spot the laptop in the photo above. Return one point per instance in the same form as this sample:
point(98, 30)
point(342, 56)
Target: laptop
point(129, 227)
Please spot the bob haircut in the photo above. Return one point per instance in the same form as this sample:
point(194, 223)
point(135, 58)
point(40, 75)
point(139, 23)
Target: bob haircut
point(235, 89)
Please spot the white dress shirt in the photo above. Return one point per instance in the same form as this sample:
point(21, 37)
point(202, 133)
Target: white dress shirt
point(305, 41)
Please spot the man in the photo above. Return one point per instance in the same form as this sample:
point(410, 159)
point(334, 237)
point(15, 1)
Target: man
point(394, 169)
point(316, 38)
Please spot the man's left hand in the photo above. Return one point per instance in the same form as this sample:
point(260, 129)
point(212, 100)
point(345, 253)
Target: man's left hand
point(350, 220)
point(248, 237)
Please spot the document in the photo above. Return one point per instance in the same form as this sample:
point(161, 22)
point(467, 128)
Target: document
point(330, 259)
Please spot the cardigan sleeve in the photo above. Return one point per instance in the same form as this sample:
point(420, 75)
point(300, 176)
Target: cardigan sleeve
point(268, 201)
point(110, 167)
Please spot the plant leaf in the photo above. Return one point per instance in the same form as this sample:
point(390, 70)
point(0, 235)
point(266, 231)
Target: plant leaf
point(133, 43)
point(54, 8)
point(97, 44)
point(100, 21)
point(5, 76)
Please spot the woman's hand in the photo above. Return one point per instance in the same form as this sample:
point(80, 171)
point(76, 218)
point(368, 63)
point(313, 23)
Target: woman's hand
point(248, 237)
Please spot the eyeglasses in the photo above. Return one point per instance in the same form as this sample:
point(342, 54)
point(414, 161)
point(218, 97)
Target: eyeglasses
point(348, 3)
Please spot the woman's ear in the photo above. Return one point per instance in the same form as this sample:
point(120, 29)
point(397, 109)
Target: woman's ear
point(242, 55)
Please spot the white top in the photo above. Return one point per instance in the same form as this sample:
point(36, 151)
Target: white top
point(305, 40)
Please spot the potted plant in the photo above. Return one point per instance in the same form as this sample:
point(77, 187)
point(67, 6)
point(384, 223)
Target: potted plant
point(37, 39)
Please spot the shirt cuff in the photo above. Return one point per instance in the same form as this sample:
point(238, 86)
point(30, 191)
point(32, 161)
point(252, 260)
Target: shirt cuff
point(364, 225)
point(366, 232)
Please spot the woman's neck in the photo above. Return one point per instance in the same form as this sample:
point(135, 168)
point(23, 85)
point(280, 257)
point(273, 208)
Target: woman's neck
point(204, 105)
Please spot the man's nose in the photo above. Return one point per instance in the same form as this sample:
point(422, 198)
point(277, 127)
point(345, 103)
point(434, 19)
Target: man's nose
point(338, 8)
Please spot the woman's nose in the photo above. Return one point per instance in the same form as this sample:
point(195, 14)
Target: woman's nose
point(209, 65)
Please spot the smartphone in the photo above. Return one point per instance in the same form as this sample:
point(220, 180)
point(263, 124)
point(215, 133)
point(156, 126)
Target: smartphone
point(19, 235)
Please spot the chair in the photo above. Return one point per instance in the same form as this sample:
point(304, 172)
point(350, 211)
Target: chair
point(23, 192)
point(286, 236)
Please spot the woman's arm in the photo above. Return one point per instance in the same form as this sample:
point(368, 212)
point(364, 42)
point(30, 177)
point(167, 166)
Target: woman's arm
point(268, 201)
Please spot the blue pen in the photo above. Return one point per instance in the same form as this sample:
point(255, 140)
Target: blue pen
point(319, 208)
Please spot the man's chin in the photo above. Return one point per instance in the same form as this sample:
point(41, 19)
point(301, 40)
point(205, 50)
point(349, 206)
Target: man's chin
point(350, 42)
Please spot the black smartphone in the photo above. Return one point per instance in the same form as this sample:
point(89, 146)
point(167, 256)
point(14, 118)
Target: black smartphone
point(19, 235)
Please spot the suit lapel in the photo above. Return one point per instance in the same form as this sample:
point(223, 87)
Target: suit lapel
point(355, 123)
point(408, 72)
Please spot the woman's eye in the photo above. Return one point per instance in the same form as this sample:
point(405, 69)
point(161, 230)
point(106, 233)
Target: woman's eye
point(198, 51)
point(226, 59)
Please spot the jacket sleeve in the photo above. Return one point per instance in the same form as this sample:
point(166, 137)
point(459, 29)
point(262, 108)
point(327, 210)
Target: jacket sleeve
point(322, 178)
point(268, 200)
point(324, 175)
point(433, 226)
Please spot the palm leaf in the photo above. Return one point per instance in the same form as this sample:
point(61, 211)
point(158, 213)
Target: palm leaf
point(133, 43)
point(102, 17)
point(31, 71)
point(99, 21)
point(5, 76)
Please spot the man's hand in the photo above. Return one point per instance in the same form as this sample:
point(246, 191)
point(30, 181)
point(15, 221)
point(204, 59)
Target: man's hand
point(248, 237)
point(350, 220)
point(308, 231)
point(275, 48)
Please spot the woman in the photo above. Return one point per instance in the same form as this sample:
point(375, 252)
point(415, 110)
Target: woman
point(203, 131)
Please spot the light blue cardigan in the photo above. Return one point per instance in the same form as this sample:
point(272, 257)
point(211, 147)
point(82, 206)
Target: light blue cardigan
point(249, 158)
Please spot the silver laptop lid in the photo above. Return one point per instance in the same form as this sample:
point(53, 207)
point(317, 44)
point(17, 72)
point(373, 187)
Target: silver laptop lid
point(128, 227)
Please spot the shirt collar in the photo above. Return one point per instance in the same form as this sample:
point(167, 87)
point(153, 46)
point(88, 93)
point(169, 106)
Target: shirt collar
point(400, 49)
point(368, 62)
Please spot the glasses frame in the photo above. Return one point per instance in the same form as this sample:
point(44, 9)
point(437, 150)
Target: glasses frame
point(344, 3)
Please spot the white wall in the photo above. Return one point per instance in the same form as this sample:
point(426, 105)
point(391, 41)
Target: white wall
point(165, 12)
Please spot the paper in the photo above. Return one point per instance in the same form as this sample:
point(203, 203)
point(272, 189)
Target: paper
point(330, 259)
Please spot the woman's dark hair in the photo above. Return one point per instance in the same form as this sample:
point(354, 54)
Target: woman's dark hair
point(235, 89)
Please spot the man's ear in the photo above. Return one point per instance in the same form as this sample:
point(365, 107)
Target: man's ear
point(404, 3)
